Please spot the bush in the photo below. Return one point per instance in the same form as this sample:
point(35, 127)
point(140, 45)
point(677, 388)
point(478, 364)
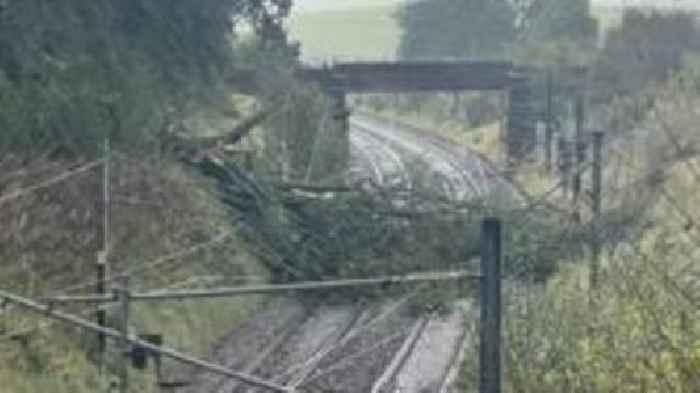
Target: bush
point(647, 48)
point(72, 73)
point(51, 241)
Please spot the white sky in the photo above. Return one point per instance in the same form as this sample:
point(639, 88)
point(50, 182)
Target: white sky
point(318, 5)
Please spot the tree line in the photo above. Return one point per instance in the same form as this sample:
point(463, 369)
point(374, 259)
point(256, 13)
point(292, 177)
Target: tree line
point(73, 72)
point(647, 46)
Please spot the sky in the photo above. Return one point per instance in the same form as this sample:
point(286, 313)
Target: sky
point(319, 5)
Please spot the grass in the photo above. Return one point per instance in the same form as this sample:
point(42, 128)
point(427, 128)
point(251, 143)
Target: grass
point(177, 211)
point(356, 33)
point(433, 115)
point(56, 361)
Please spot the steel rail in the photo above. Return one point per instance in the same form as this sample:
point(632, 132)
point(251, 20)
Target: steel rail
point(399, 359)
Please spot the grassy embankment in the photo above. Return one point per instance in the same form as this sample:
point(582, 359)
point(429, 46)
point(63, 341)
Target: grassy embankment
point(51, 239)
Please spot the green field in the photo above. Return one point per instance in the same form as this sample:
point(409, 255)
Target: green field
point(357, 33)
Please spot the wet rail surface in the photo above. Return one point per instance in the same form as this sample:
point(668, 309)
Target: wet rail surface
point(378, 348)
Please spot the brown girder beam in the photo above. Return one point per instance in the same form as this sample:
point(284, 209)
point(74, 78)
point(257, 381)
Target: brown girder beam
point(390, 77)
point(409, 76)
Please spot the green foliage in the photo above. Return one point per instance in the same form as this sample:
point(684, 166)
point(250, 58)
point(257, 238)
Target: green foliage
point(468, 109)
point(641, 332)
point(647, 48)
point(550, 33)
point(536, 244)
point(50, 243)
point(491, 29)
point(449, 29)
point(301, 142)
point(362, 233)
point(556, 54)
point(642, 340)
point(540, 21)
point(72, 72)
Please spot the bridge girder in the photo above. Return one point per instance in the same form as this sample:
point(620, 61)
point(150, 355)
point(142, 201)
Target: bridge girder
point(396, 77)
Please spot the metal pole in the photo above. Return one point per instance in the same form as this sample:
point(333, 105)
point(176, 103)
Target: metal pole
point(122, 295)
point(101, 317)
point(580, 147)
point(563, 147)
point(158, 370)
point(490, 304)
point(341, 115)
point(3, 317)
point(686, 331)
point(249, 160)
point(597, 209)
point(340, 108)
point(102, 260)
point(549, 127)
point(107, 193)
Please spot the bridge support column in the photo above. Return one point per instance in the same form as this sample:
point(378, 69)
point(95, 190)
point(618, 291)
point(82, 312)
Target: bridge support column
point(549, 126)
point(490, 324)
point(341, 114)
point(341, 145)
point(521, 132)
point(580, 147)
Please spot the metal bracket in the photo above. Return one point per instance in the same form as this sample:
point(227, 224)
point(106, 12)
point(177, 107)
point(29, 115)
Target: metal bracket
point(139, 355)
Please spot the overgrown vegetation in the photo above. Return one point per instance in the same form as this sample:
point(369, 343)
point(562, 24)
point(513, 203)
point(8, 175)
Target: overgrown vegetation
point(647, 48)
point(644, 336)
point(162, 217)
point(322, 233)
point(641, 334)
point(494, 29)
point(151, 76)
point(72, 73)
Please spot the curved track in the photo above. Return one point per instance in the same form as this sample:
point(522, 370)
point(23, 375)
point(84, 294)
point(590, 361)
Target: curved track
point(381, 148)
point(458, 172)
point(378, 348)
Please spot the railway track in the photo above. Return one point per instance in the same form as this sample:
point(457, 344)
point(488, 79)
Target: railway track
point(340, 349)
point(242, 349)
point(458, 178)
point(399, 359)
point(379, 348)
point(385, 163)
point(478, 176)
point(440, 347)
point(307, 346)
